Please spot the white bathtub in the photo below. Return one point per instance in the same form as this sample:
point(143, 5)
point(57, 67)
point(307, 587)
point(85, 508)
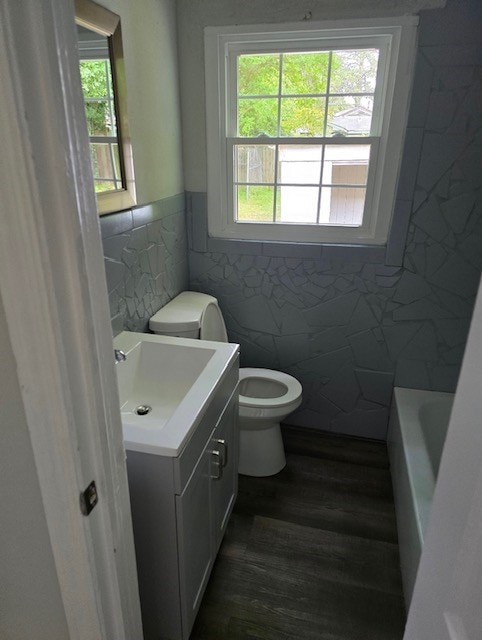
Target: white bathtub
point(416, 436)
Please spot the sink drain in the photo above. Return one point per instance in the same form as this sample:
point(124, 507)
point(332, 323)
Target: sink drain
point(143, 409)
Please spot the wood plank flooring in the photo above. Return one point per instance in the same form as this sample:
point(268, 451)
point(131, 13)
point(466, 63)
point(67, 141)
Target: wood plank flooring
point(311, 553)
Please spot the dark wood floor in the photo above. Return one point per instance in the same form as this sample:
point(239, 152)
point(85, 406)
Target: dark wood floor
point(311, 553)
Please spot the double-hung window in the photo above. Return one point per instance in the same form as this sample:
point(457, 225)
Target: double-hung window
point(305, 128)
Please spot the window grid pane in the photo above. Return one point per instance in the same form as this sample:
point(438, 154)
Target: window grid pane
point(276, 200)
point(258, 74)
point(342, 206)
point(96, 78)
point(106, 165)
point(288, 183)
point(343, 108)
point(255, 203)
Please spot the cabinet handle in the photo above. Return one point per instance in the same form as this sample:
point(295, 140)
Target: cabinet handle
point(223, 450)
point(217, 463)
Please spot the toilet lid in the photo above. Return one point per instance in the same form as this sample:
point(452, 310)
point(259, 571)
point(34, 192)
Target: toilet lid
point(293, 388)
point(212, 324)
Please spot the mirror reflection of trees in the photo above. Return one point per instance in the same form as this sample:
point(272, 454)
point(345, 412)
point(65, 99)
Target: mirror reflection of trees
point(98, 91)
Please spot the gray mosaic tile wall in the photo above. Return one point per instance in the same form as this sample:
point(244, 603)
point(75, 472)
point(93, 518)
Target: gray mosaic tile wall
point(347, 325)
point(146, 263)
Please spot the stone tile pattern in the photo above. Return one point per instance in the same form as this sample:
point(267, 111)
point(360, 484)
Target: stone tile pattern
point(146, 263)
point(349, 330)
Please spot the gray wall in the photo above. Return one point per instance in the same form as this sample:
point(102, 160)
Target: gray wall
point(146, 264)
point(342, 322)
point(339, 319)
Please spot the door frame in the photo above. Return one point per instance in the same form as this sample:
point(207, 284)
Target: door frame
point(54, 293)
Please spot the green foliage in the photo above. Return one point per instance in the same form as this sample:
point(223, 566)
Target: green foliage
point(352, 71)
point(305, 73)
point(255, 204)
point(258, 117)
point(302, 116)
point(96, 78)
point(93, 74)
point(258, 75)
point(98, 93)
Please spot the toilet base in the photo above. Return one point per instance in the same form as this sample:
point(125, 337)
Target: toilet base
point(261, 451)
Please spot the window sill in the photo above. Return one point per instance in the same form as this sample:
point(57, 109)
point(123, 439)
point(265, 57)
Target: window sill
point(353, 253)
point(390, 254)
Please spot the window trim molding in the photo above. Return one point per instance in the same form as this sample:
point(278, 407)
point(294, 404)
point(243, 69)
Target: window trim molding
point(398, 75)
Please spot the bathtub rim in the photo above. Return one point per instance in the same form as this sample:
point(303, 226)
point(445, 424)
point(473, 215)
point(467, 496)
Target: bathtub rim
point(417, 459)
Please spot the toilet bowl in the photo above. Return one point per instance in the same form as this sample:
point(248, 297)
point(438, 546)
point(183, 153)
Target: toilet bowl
point(266, 397)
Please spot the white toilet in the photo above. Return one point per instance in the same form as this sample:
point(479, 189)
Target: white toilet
point(265, 397)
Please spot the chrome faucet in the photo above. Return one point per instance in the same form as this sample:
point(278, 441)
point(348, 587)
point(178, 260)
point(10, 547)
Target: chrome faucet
point(119, 356)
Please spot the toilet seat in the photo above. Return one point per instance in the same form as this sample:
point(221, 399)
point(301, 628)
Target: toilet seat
point(272, 395)
point(292, 386)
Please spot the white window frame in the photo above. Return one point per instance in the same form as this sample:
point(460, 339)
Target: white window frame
point(396, 39)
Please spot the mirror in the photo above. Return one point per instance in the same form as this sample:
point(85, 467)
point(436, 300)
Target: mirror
point(103, 84)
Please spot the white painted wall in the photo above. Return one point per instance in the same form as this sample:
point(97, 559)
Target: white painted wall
point(194, 15)
point(30, 600)
point(150, 50)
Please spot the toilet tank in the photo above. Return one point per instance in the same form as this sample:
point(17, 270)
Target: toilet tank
point(190, 315)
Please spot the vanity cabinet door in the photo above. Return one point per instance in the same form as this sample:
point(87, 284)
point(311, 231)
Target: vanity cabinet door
point(225, 487)
point(194, 534)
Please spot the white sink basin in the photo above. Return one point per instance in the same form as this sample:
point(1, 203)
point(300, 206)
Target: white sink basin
point(173, 379)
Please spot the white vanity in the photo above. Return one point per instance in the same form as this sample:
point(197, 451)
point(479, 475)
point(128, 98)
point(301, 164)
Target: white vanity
point(179, 410)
